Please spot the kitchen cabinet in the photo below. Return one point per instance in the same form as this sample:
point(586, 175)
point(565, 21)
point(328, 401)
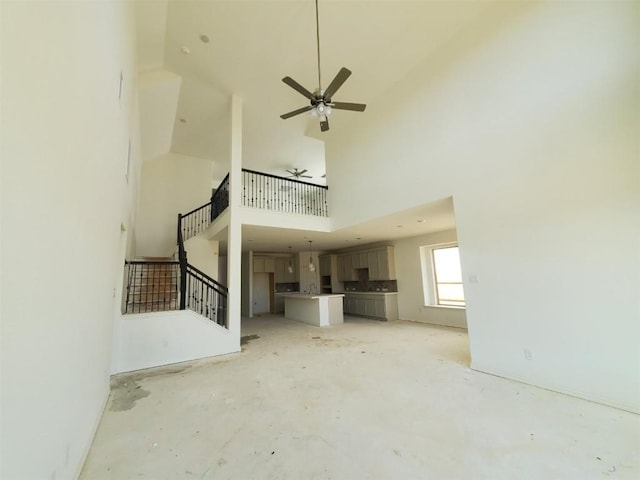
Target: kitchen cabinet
point(353, 306)
point(340, 271)
point(282, 274)
point(346, 272)
point(381, 264)
point(360, 260)
point(381, 306)
point(264, 265)
point(279, 304)
point(269, 265)
point(325, 265)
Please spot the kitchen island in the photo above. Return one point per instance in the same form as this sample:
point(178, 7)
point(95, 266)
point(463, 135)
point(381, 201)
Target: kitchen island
point(320, 310)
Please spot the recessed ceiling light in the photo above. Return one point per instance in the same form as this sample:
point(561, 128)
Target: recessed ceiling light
point(185, 50)
point(205, 38)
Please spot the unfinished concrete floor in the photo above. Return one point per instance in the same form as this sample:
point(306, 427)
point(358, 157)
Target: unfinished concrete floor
point(363, 400)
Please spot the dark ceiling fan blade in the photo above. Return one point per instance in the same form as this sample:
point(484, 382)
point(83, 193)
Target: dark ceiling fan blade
point(298, 173)
point(356, 107)
point(296, 112)
point(324, 125)
point(298, 88)
point(336, 83)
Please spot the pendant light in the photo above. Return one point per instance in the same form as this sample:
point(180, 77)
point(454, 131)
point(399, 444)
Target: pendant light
point(290, 267)
point(312, 267)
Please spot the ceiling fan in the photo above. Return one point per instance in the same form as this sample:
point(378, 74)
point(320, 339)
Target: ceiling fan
point(321, 101)
point(298, 173)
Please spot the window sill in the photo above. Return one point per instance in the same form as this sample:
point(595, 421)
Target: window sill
point(449, 307)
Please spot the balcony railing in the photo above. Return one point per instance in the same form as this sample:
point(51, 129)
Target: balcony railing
point(270, 192)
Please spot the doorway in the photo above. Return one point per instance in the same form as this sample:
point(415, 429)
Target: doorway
point(261, 293)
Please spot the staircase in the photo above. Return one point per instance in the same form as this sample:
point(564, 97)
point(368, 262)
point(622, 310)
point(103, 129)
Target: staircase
point(162, 284)
point(158, 284)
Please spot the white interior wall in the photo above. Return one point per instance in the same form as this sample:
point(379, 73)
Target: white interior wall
point(162, 338)
point(247, 284)
point(159, 90)
point(64, 142)
point(222, 269)
point(268, 218)
point(530, 120)
point(234, 226)
point(411, 301)
point(170, 184)
point(203, 254)
point(151, 27)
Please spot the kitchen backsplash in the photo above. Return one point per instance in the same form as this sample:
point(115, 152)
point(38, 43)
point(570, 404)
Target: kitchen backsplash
point(371, 286)
point(287, 287)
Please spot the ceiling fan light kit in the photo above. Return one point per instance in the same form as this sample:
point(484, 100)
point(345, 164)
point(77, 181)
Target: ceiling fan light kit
point(321, 104)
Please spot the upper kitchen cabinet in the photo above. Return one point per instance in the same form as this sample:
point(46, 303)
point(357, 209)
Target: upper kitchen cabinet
point(264, 265)
point(282, 274)
point(381, 264)
point(359, 260)
point(346, 272)
point(325, 265)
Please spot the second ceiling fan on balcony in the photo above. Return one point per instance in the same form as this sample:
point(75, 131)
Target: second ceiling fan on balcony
point(321, 101)
point(298, 174)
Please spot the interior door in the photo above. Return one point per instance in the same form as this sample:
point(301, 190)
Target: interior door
point(261, 294)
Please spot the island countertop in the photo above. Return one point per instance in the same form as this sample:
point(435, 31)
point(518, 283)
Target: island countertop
point(370, 293)
point(309, 296)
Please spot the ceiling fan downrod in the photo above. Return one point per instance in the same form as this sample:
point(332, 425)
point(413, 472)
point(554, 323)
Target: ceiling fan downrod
point(321, 103)
point(318, 49)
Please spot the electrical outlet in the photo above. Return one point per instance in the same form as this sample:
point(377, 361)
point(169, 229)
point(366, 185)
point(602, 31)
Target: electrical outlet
point(528, 354)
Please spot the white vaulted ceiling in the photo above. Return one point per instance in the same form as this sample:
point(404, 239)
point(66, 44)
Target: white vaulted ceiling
point(254, 44)
point(249, 46)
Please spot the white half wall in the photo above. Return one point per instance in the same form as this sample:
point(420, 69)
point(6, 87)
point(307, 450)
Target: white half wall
point(65, 194)
point(268, 218)
point(170, 184)
point(152, 339)
point(530, 120)
point(411, 301)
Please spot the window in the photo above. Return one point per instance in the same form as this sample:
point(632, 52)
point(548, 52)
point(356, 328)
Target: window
point(447, 276)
